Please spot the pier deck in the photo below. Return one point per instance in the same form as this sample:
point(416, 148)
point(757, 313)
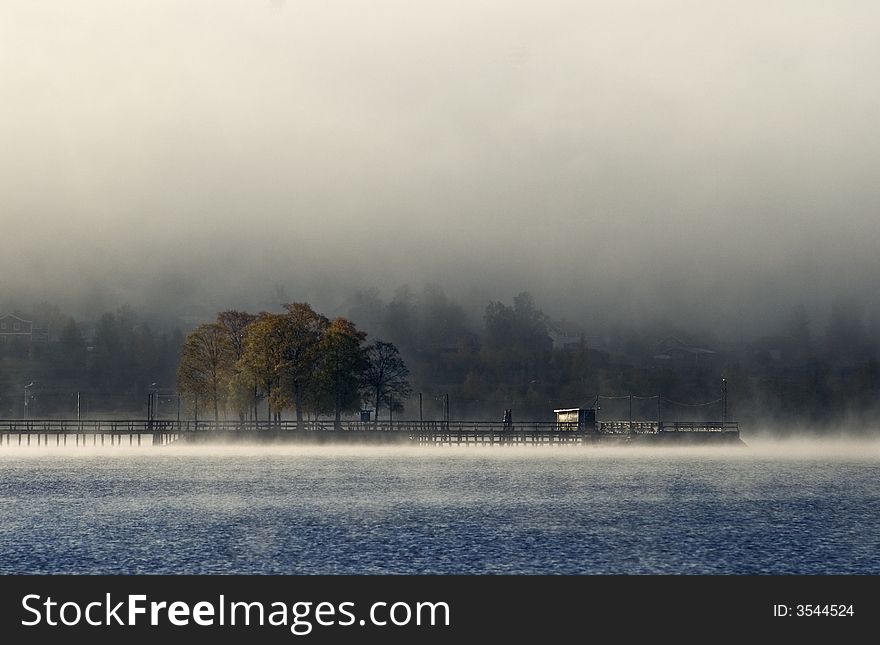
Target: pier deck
point(131, 432)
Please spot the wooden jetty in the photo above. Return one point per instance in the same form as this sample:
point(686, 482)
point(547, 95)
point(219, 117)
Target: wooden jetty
point(87, 432)
point(138, 432)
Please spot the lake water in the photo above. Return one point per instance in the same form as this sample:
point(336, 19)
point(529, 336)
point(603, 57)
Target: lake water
point(774, 508)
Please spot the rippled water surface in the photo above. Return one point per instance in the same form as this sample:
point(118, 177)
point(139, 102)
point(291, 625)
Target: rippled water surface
point(773, 508)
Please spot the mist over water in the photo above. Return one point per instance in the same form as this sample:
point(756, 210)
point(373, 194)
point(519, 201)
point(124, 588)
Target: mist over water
point(647, 170)
point(683, 187)
point(774, 507)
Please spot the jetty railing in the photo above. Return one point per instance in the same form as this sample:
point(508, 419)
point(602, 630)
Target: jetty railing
point(160, 431)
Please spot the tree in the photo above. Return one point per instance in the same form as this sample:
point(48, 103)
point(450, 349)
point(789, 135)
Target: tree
point(521, 328)
point(517, 339)
point(261, 355)
point(342, 361)
point(204, 363)
point(105, 358)
point(443, 321)
point(235, 324)
point(243, 389)
point(531, 322)
point(401, 319)
point(499, 327)
point(368, 309)
point(170, 346)
point(385, 376)
point(145, 354)
point(281, 351)
point(301, 330)
point(72, 350)
point(115, 362)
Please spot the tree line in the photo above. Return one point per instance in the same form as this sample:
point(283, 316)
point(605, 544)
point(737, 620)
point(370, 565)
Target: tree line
point(483, 358)
point(107, 365)
point(804, 373)
point(297, 360)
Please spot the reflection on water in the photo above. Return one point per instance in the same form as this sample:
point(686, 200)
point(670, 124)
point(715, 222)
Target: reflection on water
point(783, 507)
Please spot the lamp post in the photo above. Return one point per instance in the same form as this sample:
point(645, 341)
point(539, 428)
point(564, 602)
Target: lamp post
point(155, 406)
point(630, 413)
point(659, 411)
point(26, 397)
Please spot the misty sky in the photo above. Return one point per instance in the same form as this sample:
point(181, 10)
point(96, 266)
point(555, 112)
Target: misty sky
point(696, 160)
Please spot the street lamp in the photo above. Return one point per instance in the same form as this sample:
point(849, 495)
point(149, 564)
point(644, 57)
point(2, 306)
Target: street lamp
point(155, 405)
point(26, 397)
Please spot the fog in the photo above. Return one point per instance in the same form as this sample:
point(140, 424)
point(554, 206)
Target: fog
point(710, 162)
point(759, 448)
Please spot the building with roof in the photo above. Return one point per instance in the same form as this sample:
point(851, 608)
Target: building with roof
point(17, 331)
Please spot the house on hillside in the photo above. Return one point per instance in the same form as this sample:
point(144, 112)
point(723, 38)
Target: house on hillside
point(675, 353)
point(19, 332)
point(563, 339)
point(565, 335)
point(14, 327)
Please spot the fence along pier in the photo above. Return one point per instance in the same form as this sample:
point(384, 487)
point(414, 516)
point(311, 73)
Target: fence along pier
point(141, 432)
point(87, 432)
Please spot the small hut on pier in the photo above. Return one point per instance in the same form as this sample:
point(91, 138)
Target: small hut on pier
point(581, 419)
